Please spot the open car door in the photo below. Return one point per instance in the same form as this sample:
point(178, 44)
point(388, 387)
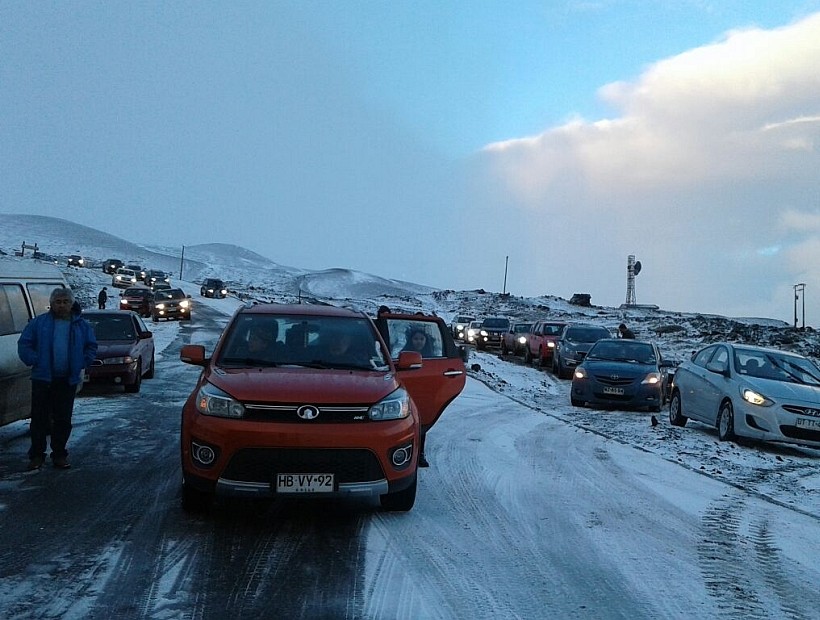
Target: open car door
point(441, 376)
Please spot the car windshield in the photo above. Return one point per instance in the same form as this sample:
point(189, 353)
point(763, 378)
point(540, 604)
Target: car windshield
point(623, 351)
point(552, 330)
point(521, 328)
point(776, 366)
point(311, 341)
point(586, 334)
point(173, 293)
point(496, 323)
point(136, 292)
point(108, 327)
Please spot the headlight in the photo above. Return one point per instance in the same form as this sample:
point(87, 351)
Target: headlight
point(522, 340)
point(210, 400)
point(483, 332)
point(123, 302)
point(580, 373)
point(119, 360)
point(394, 406)
point(755, 398)
point(652, 378)
point(224, 291)
point(184, 303)
point(550, 345)
point(160, 306)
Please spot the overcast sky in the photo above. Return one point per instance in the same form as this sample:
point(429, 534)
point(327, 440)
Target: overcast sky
point(427, 141)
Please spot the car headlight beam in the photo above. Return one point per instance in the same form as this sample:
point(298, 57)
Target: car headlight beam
point(755, 398)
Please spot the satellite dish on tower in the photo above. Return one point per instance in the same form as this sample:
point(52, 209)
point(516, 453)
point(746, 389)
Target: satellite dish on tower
point(636, 269)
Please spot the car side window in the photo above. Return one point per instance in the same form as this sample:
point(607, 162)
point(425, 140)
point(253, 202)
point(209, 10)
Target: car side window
point(14, 313)
point(721, 356)
point(702, 358)
point(422, 336)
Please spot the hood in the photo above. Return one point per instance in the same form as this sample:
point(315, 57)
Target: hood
point(304, 385)
point(114, 348)
point(808, 395)
point(623, 369)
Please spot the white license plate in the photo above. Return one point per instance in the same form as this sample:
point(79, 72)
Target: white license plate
point(614, 390)
point(807, 423)
point(304, 483)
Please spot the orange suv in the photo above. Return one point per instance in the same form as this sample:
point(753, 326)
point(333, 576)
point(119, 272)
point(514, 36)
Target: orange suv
point(302, 400)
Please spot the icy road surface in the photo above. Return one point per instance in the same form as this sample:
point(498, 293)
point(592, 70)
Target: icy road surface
point(531, 509)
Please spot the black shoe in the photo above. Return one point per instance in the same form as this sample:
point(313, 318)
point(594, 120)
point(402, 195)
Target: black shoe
point(35, 463)
point(423, 461)
point(61, 462)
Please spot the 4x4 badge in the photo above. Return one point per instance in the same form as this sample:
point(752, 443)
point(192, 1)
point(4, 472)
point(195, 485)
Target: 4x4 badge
point(308, 412)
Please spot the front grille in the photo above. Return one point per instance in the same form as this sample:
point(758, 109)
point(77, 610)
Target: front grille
point(259, 412)
point(807, 411)
point(805, 434)
point(614, 381)
point(262, 464)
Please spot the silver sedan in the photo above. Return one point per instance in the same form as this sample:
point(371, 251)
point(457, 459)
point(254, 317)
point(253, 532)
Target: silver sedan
point(748, 391)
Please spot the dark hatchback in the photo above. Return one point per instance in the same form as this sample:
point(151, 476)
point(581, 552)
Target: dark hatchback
point(125, 349)
point(621, 373)
point(213, 287)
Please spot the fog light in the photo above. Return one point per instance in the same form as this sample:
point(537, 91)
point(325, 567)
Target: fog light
point(402, 456)
point(204, 455)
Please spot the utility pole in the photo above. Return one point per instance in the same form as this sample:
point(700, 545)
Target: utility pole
point(181, 261)
point(800, 293)
point(506, 263)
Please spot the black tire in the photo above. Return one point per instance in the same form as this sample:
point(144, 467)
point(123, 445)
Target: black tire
point(150, 373)
point(195, 500)
point(576, 402)
point(155, 319)
point(542, 363)
point(726, 422)
point(676, 417)
point(400, 501)
point(135, 387)
point(504, 349)
point(527, 355)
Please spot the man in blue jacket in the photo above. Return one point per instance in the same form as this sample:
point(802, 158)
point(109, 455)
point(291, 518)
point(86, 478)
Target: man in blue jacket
point(59, 345)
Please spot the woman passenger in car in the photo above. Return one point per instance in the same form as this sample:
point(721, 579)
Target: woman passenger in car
point(419, 342)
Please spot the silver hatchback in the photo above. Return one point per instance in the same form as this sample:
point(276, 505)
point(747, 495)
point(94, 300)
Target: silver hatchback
point(747, 391)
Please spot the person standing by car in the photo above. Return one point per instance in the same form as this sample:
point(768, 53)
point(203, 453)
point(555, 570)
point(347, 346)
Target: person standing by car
point(59, 345)
point(102, 298)
point(625, 332)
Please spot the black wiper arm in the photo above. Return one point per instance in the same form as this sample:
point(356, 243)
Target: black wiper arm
point(249, 361)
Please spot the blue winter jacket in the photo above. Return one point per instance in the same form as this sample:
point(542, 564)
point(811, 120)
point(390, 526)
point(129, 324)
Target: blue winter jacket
point(35, 344)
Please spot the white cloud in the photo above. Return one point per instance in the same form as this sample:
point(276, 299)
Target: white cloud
point(714, 155)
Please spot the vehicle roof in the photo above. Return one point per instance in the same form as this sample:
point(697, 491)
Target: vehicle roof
point(304, 309)
point(24, 268)
point(114, 313)
point(754, 347)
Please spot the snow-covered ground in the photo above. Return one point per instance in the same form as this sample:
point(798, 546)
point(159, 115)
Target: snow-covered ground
point(680, 512)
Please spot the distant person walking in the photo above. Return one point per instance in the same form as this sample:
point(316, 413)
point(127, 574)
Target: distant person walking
point(625, 332)
point(58, 345)
point(102, 298)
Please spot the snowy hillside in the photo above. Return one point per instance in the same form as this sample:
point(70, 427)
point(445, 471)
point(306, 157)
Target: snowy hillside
point(250, 275)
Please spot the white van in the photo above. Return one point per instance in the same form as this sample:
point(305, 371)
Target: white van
point(25, 289)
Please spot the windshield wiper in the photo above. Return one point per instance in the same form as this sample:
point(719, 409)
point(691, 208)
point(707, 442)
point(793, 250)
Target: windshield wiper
point(248, 361)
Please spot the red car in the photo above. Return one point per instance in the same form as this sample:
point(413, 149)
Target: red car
point(138, 299)
point(125, 349)
point(301, 400)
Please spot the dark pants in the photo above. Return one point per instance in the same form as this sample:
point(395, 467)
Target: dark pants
point(101, 305)
point(51, 408)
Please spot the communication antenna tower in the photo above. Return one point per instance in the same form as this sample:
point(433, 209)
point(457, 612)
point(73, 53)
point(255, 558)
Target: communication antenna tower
point(633, 268)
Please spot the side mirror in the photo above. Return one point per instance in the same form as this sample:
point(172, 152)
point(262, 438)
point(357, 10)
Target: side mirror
point(193, 354)
point(408, 360)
